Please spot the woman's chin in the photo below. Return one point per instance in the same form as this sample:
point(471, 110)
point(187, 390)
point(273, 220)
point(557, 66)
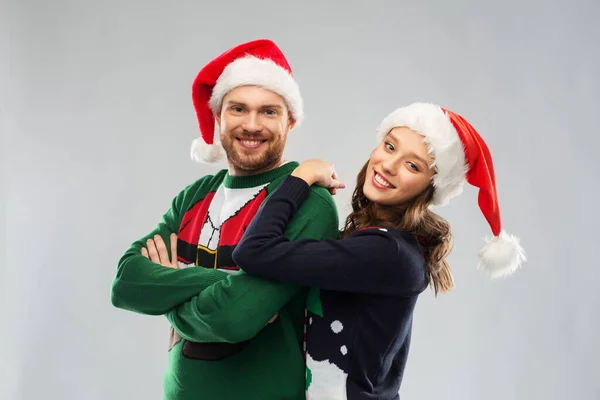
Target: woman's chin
point(371, 194)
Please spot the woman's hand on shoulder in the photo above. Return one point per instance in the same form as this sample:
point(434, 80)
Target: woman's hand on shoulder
point(319, 172)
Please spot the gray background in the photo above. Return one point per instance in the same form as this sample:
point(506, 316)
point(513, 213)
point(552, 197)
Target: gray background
point(98, 120)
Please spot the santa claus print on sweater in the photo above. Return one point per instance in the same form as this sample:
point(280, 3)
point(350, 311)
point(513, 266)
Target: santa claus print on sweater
point(208, 234)
point(211, 229)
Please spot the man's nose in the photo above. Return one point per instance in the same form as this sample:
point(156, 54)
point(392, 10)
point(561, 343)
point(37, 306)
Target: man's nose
point(252, 123)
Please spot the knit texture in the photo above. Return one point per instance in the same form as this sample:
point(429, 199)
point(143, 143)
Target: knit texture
point(222, 346)
point(365, 288)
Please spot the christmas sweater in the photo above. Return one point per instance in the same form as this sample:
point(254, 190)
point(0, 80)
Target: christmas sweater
point(360, 309)
point(222, 345)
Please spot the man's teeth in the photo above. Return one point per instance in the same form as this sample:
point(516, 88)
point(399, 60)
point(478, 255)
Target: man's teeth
point(381, 181)
point(251, 142)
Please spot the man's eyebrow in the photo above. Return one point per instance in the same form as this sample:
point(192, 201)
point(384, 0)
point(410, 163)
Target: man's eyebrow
point(277, 106)
point(235, 102)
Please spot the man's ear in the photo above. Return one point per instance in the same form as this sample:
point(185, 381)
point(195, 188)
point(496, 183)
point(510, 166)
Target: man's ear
point(218, 119)
point(292, 122)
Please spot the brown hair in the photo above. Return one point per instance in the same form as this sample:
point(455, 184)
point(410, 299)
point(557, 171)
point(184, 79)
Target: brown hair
point(431, 230)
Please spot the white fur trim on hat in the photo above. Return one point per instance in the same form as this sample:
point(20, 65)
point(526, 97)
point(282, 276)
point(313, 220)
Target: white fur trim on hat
point(204, 153)
point(259, 72)
point(502, 255)
point(443, 142)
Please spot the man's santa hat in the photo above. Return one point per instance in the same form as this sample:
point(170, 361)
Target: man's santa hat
point(461, 155)
point(258, 63)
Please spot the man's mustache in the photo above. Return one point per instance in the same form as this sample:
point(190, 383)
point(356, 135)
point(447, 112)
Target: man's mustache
point(252, 135)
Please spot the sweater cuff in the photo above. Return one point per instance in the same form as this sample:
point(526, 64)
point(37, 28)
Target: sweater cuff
point(294, 189)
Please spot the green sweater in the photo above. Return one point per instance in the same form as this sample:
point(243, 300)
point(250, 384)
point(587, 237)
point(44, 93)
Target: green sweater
point(222, 345)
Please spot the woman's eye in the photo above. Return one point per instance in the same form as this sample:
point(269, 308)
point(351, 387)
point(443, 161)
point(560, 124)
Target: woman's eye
point(413, 166)
point(389, 146)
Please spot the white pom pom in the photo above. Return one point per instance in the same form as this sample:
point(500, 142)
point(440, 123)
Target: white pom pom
point(502, 255)
point(202, 152)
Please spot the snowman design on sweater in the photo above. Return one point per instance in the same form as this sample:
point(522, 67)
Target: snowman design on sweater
point(325, 368)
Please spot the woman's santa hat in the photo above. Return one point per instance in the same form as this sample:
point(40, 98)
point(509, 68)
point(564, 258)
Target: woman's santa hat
point(461, 155)
point(258, 63)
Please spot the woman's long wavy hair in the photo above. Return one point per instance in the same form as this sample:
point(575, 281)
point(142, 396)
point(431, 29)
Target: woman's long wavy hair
point(431, 230)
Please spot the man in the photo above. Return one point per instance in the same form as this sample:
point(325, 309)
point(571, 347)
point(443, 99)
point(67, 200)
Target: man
point(223, 345)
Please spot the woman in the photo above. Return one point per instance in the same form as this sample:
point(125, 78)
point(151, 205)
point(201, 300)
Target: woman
point(391, 248)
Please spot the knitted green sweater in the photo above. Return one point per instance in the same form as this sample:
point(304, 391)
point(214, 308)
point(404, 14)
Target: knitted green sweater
point(222, 346)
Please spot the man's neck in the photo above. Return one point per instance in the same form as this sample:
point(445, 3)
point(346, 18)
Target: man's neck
point(234, 170)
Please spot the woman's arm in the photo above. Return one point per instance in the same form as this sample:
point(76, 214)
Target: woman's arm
point(374, 260)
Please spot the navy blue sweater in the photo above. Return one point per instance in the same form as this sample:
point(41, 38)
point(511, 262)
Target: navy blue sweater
point(360, 309)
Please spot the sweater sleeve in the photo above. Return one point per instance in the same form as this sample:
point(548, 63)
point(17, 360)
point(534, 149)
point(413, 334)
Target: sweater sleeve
point(371, 261)
point(147, 288)
point(237, 308)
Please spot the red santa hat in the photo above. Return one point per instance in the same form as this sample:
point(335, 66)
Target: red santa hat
point(461, 155)
point(259, 62)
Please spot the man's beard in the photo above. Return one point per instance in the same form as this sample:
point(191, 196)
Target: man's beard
point(254, 162)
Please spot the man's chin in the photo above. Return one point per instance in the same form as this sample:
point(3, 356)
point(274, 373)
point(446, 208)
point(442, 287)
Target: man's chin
point(249, 163)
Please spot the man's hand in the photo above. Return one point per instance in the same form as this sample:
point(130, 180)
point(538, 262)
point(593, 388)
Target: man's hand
point(272, 319)
point(157, 251)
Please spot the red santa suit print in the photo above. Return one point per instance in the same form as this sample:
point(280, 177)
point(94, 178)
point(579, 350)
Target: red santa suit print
point(217, 224)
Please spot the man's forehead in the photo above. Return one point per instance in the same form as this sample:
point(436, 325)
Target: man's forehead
point(254, 96)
